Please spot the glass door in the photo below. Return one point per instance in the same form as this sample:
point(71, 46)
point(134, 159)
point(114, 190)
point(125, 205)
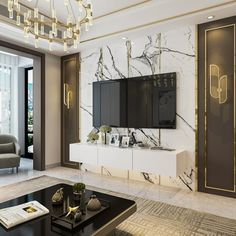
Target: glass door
point(29, 118)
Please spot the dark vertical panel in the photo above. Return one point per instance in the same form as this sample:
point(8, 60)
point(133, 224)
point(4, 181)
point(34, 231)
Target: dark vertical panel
point(220, 117)
point(105, 104)
point(96, 105)
point(115, 104)
point(70, 117)
point(137, 103)
point(149, 97)
point(216, 122)
point(123, 103)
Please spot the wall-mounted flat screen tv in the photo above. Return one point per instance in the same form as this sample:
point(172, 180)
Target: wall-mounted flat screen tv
point(139, 102)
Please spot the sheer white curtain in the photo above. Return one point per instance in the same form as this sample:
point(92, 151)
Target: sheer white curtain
point(5, 99)
point(8, 94)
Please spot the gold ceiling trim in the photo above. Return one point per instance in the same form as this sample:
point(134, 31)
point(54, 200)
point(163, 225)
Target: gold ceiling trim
point(121, 9)
point(157, 21)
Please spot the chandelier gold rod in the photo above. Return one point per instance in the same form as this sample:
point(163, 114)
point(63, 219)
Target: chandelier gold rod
point(83, 20)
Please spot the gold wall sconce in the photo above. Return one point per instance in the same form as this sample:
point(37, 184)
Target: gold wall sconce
point(218, 84)
point(67, 96)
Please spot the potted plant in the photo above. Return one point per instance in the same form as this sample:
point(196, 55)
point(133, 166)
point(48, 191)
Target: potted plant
point(105, 129)
point(78, 190)
point(92, 137)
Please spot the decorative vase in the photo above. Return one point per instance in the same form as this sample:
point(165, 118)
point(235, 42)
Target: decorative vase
point(77, 195)
point(82, 205)
point(94, 204)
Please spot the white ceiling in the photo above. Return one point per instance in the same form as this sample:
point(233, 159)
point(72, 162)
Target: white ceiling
point(115, 19)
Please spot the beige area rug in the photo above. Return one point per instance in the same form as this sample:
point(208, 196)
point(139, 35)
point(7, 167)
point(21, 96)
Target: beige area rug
point(151, 219)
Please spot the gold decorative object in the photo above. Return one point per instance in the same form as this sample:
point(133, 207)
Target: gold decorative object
point(58, 196)
point(48, 27)
point(72, 211)
point(67, 96)
point(218, 84)
point(94, 204)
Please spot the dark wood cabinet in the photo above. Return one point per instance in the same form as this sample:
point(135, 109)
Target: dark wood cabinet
point(216, 134)
point(70, 105)
point(109, 99)
point(139, 102)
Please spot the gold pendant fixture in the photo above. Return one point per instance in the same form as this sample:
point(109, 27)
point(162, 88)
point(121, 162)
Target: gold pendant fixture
point(48, 27)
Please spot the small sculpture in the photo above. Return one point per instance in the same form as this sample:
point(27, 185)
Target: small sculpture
point(72, 211)
point(57, 197)
point(94, 204)
point(78, 216)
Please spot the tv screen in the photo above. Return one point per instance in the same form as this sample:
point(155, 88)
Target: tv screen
point(140, 102)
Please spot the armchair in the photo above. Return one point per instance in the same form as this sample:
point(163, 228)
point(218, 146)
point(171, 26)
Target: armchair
point(9, 152)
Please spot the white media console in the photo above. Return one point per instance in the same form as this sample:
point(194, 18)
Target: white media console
point(164, 163)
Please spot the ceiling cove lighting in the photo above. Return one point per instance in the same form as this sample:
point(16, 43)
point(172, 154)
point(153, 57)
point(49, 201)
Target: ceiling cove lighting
point(48, 27)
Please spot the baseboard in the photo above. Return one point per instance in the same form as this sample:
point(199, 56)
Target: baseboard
point(53, 165)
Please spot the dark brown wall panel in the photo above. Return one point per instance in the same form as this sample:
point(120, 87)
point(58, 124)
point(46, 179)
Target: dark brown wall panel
point(70, 115)
point(216, 107)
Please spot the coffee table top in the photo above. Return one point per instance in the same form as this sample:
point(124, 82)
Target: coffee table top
point(120, 209)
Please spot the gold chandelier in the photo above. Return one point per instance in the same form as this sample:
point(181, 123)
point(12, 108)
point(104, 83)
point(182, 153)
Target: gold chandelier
point(48, 27)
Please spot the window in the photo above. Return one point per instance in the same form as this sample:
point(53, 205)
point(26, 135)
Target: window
point(5, 100)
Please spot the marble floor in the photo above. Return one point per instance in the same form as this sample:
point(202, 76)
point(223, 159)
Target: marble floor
point(213, 204)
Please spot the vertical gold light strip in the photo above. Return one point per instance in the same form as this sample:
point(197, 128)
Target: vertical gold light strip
point(196, 108)
point(205, 115)
point(234, 115)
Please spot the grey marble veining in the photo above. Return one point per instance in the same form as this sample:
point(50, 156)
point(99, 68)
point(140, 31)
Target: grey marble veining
point(172, 51)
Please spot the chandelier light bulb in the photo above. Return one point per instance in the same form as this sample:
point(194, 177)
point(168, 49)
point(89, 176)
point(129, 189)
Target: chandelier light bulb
point(29, 14)
point(42, 25)
point(75, 44)
point(65, 46)
point(10, 5)
point(36, 28)
point(36, 13)
point(18, 20)
point(67, 33)
point(36, 42)
point(11, 14)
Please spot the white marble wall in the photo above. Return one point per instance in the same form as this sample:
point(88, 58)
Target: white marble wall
point(172, 51)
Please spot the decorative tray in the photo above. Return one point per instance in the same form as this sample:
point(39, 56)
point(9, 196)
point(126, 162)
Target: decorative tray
point(66, 223)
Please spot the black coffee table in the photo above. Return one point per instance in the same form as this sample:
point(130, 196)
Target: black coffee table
point(102, 224)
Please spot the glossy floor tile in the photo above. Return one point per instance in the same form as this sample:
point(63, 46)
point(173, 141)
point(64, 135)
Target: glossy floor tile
point(213, 204)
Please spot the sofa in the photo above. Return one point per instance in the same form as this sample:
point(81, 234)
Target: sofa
point(9, 152)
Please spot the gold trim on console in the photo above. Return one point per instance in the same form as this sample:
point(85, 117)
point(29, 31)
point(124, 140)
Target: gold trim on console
point(205, 154)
